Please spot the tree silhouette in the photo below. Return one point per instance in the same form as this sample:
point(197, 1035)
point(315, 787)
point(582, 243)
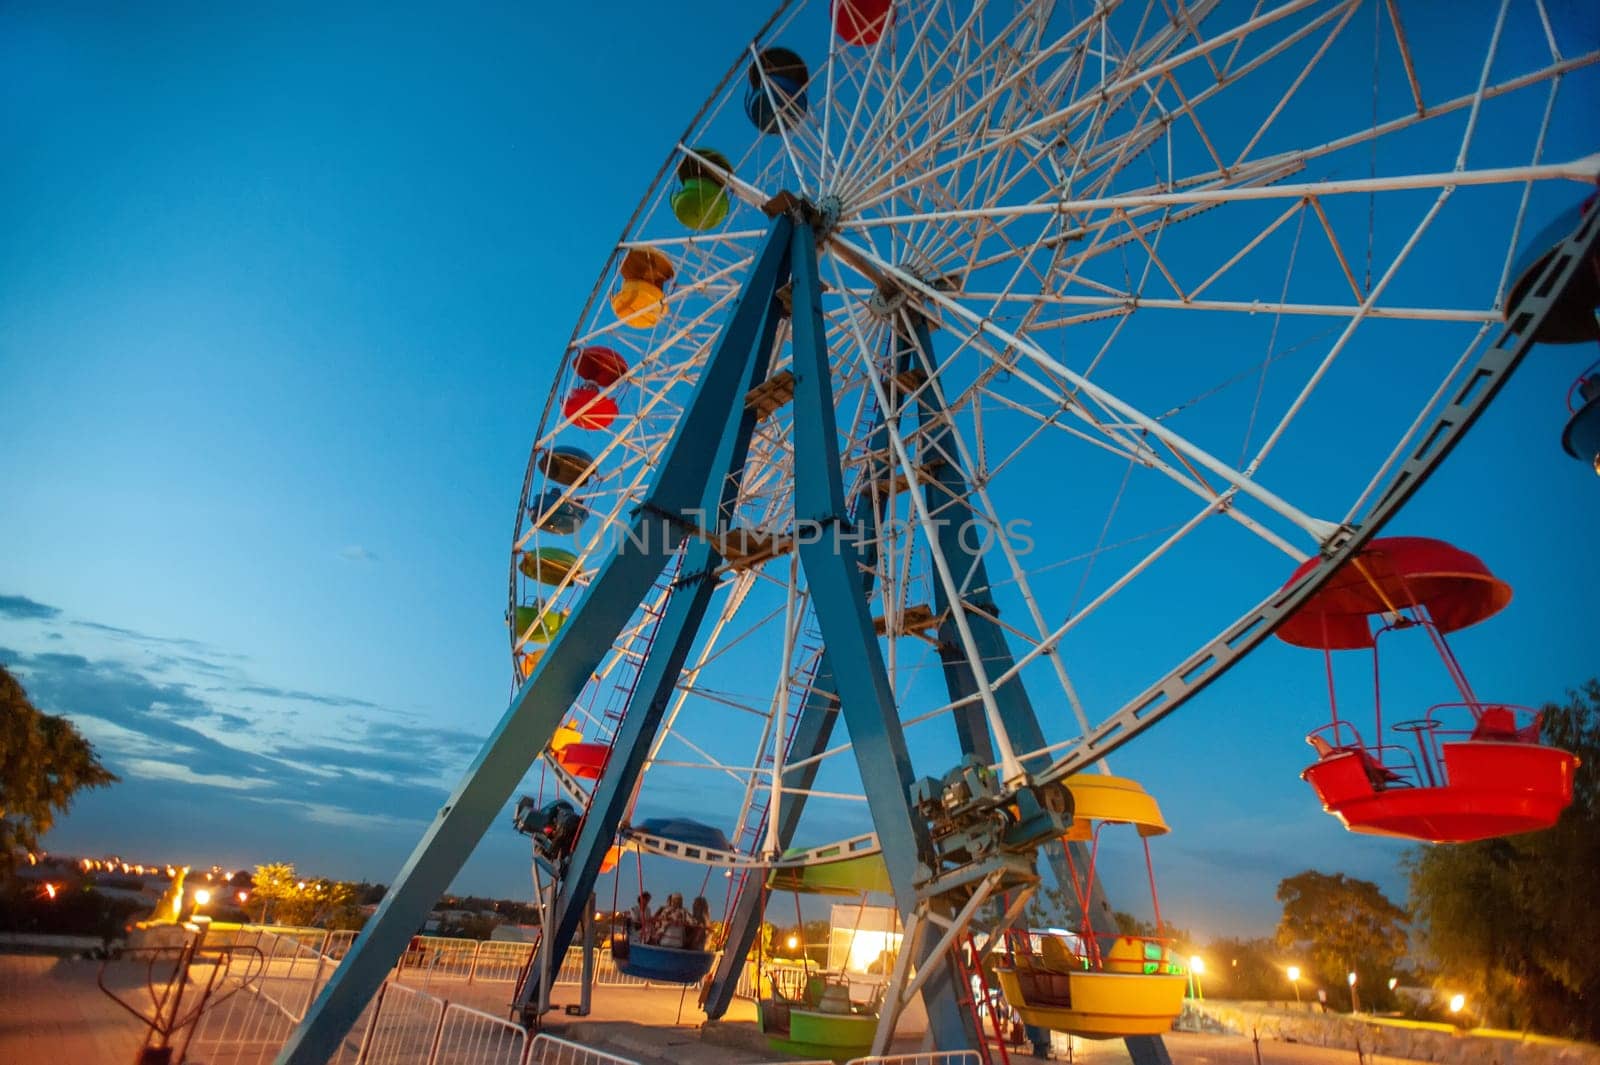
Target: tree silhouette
point(1342, 925)
point(44, 762)
point(1512, 922)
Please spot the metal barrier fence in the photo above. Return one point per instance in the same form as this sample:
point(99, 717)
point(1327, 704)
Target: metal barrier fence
point(405, 1029)
point(930, 1057)
point(428, 959)
point(472, 1037)
point(500, 962)
point(245, 1028)
point(338, 944)
point(548, 1050)
point(440, 957)
point(404, 1024)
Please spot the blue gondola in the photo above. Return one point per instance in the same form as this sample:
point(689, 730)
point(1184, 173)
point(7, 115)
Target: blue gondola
point(555, 516)
point(779, 98)
point(669, 965)
point(665, 965)
point(1582, 435)
point(685, 831)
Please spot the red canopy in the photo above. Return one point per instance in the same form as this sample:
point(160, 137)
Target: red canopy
point(1388, 574)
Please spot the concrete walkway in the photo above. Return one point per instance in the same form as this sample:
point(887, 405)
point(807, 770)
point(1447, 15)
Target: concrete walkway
point(51, 1012)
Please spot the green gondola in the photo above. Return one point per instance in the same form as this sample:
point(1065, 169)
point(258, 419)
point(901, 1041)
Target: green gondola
point(535, 624)
point(830, 1027)
point(822, 1022)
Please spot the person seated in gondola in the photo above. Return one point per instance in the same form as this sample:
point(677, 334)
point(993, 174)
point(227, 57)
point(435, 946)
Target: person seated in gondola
point(699, 923)
point(640, 921)
point(672, 924)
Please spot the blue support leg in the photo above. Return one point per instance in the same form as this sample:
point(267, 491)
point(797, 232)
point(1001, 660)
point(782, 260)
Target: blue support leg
point(831, 562)
point(947, 496)
point(685, 610)
point(538, 707)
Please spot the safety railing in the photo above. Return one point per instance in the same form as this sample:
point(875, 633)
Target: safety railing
point(405, 1028)
point(473, 1037)
point(928, 1057)
point(443, 957)
point(244, 1028)
point(500, 962)
point(548, 1050)
point(309, 954)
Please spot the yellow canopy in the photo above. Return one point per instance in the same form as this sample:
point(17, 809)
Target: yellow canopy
point(1115, 800)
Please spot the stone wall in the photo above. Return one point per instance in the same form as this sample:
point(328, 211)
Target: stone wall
point(1399, 1039)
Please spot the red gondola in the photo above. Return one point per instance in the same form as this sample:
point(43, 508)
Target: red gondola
point(1466, 770)
point(862, 22)
point(584, 760)
point(590, 409)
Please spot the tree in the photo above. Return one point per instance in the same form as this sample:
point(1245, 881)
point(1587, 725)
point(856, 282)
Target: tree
point(271, 886)
point(1511, 922)
point(1342, 925)
point(44, 762)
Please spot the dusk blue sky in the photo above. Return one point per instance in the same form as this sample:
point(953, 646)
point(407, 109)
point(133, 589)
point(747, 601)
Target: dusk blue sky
point(281, 297)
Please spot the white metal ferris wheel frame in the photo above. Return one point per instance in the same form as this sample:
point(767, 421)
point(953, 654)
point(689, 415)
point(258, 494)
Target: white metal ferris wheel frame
point(1120, 426)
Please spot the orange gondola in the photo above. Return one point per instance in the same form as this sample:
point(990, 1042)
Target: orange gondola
point(641, 300)
point(1466, 770)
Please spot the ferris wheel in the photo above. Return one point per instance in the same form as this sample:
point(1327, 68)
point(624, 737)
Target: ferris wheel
point(1069, 330)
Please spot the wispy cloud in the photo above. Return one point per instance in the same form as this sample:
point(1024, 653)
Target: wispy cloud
point(22, 608)
point(295, 695)
point(162, 720)
point(357, 553)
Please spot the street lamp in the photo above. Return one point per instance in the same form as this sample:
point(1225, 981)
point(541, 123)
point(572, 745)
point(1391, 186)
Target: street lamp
point(1355, 996)
point(244, 897)
point(793, 942)
point(1197, 969)
point(1394, 982)
point(1457, 1003)
point(1294, 980)
point(201, 897)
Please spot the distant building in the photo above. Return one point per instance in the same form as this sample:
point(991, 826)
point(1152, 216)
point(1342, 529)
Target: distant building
point(515, 933)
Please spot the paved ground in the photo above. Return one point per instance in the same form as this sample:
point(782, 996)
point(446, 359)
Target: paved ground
point(51, 1012)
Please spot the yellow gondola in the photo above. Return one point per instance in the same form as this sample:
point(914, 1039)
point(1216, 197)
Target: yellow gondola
point(645, 275)
point(1111, 985)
